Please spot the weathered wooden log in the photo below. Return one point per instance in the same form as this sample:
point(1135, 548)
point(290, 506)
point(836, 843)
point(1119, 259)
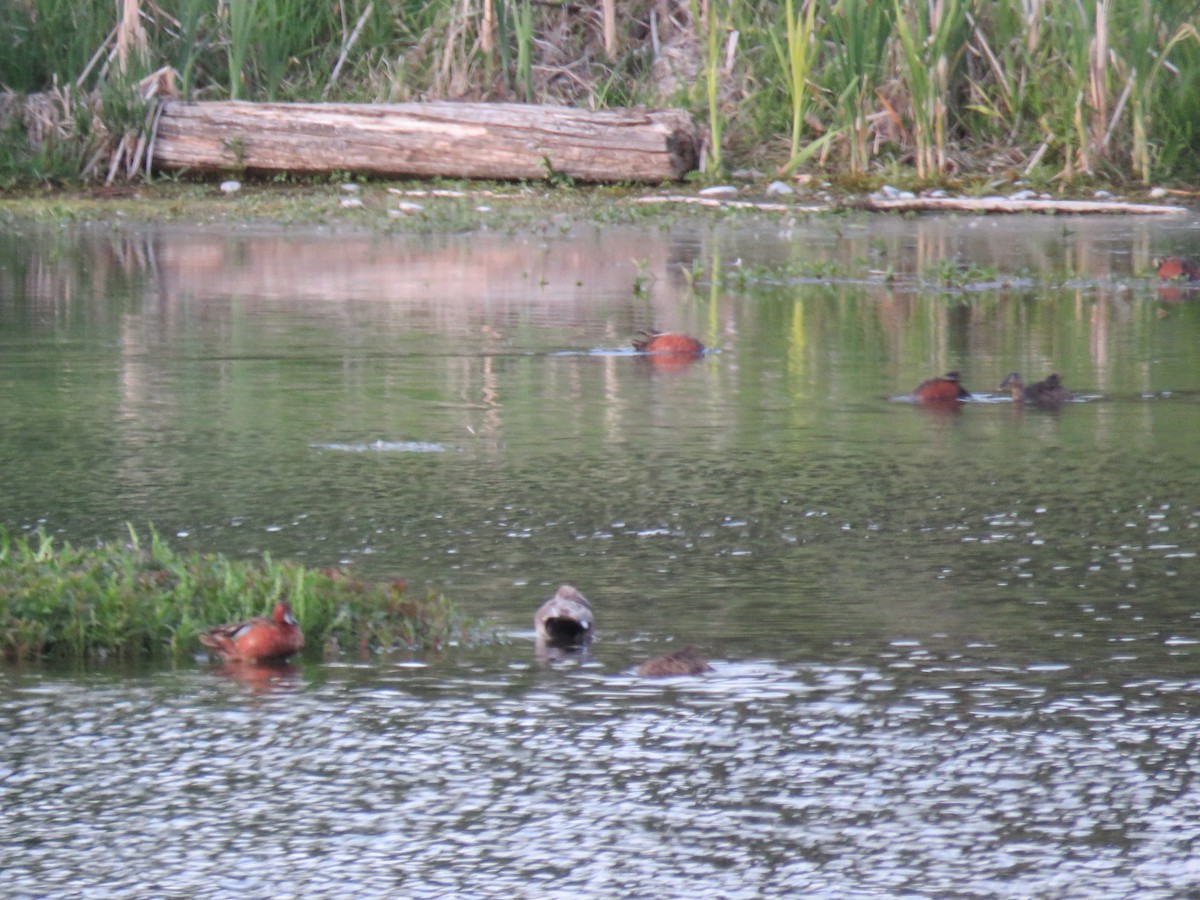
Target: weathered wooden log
point(455, 140)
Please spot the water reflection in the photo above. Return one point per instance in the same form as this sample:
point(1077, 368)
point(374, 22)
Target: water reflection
point(260, 676)
point(933, 773)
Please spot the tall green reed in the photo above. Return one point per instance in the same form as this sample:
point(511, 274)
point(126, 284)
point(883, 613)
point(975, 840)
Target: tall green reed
point(796, 60)
point(856, 35)
point(1172, 114)
point(713, 22)
point(50, 41)
point(523, 32)
point(241, 22)
point(932, 44)
point(194, 40)
point(1143, 62)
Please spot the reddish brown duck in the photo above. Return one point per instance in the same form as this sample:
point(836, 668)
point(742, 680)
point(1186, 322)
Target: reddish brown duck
point(940, 391)
point(687, 661)
point(258, 640)
point(1173, 268)
point(664, 342)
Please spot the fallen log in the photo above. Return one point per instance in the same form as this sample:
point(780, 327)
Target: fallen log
point(454, 140)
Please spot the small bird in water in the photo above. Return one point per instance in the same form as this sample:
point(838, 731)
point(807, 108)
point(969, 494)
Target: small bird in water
point(687, 661)
point(940, 391)
point(258, 640)
point(1176, 267)
point(667, 343)
point(565, 621)
point(1049, 392)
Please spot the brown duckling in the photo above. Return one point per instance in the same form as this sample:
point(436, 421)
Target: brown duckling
point(565, 621)
point(687, 661)
point(941, 391)
point(1049, 392)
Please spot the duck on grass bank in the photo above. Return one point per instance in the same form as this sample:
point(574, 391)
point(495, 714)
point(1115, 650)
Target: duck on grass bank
point(258, 641)
point(564, 622)
point(941, 391)
point(1049, 392)
point(687, 661)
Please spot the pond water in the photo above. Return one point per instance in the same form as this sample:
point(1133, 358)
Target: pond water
point(955, 654)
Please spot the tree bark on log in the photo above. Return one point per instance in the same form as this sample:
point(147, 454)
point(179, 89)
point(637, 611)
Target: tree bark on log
point(454, 140)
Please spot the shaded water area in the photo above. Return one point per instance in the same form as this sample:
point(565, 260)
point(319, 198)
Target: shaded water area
point(955, 653)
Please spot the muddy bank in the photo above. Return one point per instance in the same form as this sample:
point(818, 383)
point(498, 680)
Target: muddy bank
point(422, 207)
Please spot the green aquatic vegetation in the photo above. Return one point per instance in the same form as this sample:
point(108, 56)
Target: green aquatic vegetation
point(744, 275)
point(957, 274)
point(141, 598)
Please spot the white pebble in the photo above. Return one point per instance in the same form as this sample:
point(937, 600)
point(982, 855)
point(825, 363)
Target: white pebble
point(719, 191)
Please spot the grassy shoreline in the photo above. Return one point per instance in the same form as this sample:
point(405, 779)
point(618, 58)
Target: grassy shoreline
point(511, 208)
point(141, 599)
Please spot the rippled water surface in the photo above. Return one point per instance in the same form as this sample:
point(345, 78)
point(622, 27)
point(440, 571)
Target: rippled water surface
point(954, 653)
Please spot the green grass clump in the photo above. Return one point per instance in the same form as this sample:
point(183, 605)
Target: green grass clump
point(128, 600)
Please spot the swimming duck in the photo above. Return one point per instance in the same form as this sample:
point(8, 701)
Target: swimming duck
point(687, 661)
point(1049, 392)
point(258, 640)
point(565, 621)
point(944, 390)
point(667, 342)
point(1175, 267)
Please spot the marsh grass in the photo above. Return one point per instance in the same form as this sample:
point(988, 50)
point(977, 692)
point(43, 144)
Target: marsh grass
point(1146, 64)
point(932, 47)
point(856, 38)
point(948, 87)
point(712, 21)
point(140, 598)
point(797, 60)
point(241, 25)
